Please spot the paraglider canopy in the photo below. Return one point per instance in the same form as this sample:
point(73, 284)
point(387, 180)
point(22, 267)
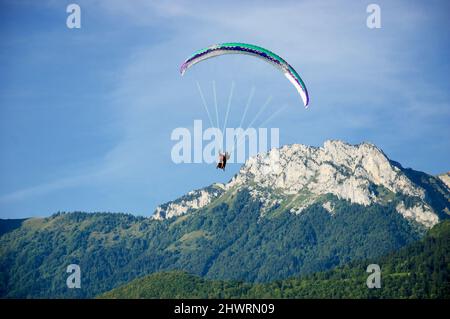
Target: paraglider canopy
point(243, 48)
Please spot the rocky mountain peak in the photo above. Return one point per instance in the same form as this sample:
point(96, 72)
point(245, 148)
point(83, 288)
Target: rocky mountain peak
point(344, 170)
point(297, 176)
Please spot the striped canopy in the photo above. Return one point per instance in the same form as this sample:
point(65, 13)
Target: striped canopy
point(243, 48)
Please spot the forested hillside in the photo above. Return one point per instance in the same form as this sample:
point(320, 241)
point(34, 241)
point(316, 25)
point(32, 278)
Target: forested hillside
point(227, 240)
point(421, 270)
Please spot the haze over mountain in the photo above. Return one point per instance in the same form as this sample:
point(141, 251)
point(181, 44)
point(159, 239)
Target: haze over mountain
point(294, 211)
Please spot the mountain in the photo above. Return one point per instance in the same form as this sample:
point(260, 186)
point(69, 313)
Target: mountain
point(421, 270)
point(298, 176)
point(293, 211)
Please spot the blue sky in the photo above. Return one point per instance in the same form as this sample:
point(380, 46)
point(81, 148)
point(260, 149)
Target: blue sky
point(86, 114)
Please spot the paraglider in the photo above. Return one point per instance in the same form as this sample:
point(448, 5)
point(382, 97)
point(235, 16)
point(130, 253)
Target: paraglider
point(253, 50)
point(222, 162)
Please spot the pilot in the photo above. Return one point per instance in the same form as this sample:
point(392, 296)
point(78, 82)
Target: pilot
point(222, 161)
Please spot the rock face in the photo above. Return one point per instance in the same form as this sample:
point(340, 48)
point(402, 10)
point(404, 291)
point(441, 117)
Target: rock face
point(445, 178)
point(296, 176)
point(190, 202)
point(344, 170)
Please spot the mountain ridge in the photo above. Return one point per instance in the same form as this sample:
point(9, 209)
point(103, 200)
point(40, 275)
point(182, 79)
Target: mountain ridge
point(361, 173)
point(245, 230)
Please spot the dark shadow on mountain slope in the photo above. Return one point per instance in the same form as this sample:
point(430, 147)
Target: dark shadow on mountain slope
point(7, 225)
